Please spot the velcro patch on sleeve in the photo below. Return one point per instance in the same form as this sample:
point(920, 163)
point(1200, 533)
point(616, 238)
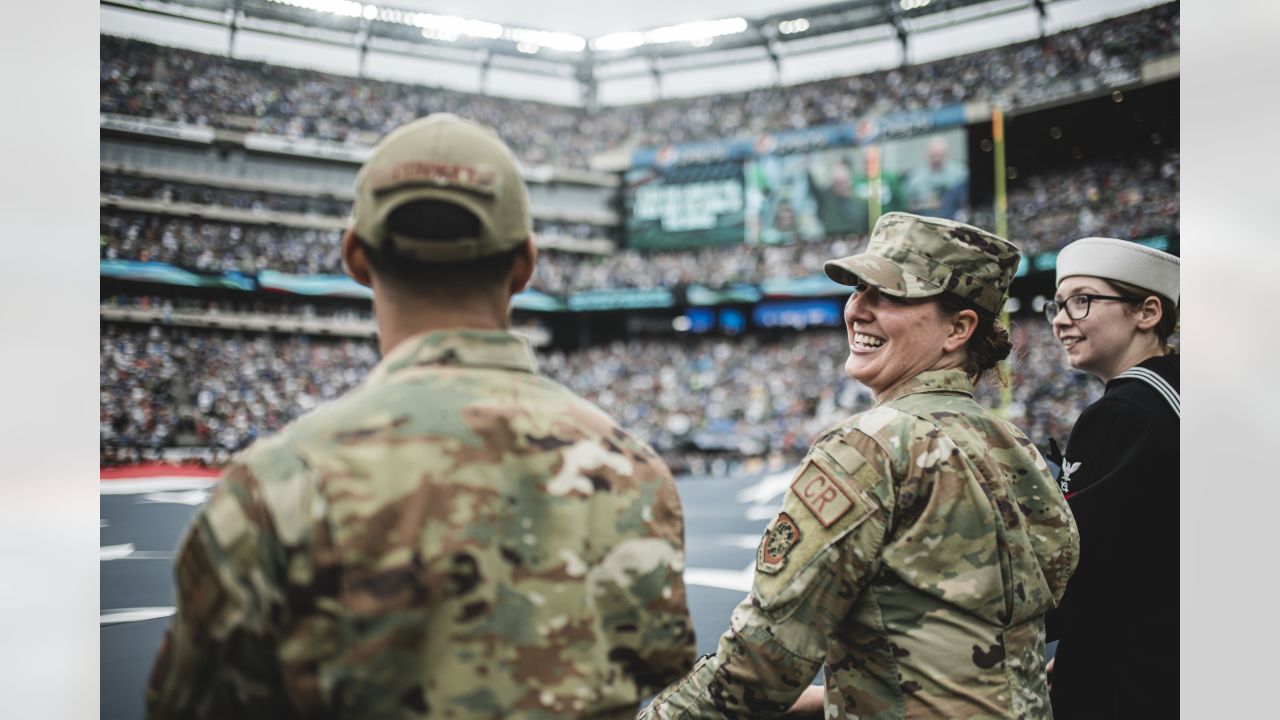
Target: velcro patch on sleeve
point(822, 495)
point(780, 537)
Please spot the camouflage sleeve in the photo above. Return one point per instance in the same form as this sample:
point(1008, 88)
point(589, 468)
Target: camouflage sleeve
point(218, 658)
point(668, 647)
point(811, 565)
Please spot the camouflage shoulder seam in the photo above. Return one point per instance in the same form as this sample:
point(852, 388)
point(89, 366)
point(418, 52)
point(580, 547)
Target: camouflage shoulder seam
point(830, 430)
point(872, 423)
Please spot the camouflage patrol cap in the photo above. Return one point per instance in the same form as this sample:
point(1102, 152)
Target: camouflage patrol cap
point(911, 256)
point(446, 158)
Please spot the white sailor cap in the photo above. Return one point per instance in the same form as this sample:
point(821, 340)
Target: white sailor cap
point(1128, 262)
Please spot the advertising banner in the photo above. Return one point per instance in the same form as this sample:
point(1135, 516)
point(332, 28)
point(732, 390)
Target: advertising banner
point(321, 285)
point(158, 272)
point(156, 128)
point(307, 147)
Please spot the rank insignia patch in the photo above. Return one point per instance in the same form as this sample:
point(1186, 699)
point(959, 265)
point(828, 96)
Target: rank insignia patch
point(781, 535)
point(822, 495)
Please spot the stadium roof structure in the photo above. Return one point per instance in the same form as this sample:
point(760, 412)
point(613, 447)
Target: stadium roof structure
point(650, 51)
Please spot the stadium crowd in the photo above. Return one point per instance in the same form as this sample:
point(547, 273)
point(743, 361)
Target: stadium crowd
point(1133, 197)
point(338, 310)
point(173, 386)
point(212, 245)
point(706, 403)
point(145, 80)
point(119, 185)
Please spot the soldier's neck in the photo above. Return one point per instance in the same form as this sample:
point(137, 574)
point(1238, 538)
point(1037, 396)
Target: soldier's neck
point(397, 323)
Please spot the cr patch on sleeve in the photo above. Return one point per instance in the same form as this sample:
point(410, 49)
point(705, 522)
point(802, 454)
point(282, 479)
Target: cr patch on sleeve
point(823, 496)
point(781, 535)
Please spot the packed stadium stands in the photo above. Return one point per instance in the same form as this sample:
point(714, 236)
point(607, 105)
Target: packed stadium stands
point(696, 399)
point(146, 80)
point(709, 403)
point(1133, 197)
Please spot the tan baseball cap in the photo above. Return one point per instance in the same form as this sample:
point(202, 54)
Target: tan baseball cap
point(443, 157)
point(913, 256)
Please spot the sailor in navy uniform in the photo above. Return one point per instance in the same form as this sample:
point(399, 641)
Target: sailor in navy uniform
point(1114, 312)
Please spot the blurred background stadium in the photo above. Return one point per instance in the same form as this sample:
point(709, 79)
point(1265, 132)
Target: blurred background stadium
point(690, 168)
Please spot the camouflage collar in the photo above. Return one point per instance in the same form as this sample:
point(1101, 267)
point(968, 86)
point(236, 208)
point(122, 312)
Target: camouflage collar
point(470, 348)
point(932, 381)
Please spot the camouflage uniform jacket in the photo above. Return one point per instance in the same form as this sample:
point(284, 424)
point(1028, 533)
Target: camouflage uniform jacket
point(459, 537)
point(916, 554)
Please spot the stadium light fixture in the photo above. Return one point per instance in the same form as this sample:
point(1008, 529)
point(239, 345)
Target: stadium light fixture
point(790, 27)
point(688, 32)
point(347, 8)
point(701, 34)
point(618, 41)
point(449, 25)
point(544, 39)
point(446, 27)
point(433, 34)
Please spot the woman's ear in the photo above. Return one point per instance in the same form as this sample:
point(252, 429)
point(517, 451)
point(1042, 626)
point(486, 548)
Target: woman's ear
point(962, 326)
point(1150, 312)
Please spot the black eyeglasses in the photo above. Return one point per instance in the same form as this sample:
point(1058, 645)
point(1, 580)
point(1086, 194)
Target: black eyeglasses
point(1077, 306)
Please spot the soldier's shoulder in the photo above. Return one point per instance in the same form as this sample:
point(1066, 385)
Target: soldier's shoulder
point(604, 425)
point(882, 430)
point(282, 454)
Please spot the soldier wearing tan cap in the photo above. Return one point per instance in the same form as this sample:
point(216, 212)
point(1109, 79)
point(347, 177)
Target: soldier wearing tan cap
point(1115, 310)
point(458, 537)
point(922, 541)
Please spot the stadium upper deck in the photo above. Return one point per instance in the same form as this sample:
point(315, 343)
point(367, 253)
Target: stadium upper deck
point(145, 80)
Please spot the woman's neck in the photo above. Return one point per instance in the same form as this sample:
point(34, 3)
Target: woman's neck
point(1137, 354)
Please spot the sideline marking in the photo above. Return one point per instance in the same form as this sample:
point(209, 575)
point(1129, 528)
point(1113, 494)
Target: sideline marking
point(179, 497)
point(763, 496)
point(151, 555)
point(142, 486)
point(128, 615)
point(770, 487)
point(739, 580)
point(115, 552)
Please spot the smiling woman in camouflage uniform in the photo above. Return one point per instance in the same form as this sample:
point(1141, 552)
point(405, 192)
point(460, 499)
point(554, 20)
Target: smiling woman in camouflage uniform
point(922, 541)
